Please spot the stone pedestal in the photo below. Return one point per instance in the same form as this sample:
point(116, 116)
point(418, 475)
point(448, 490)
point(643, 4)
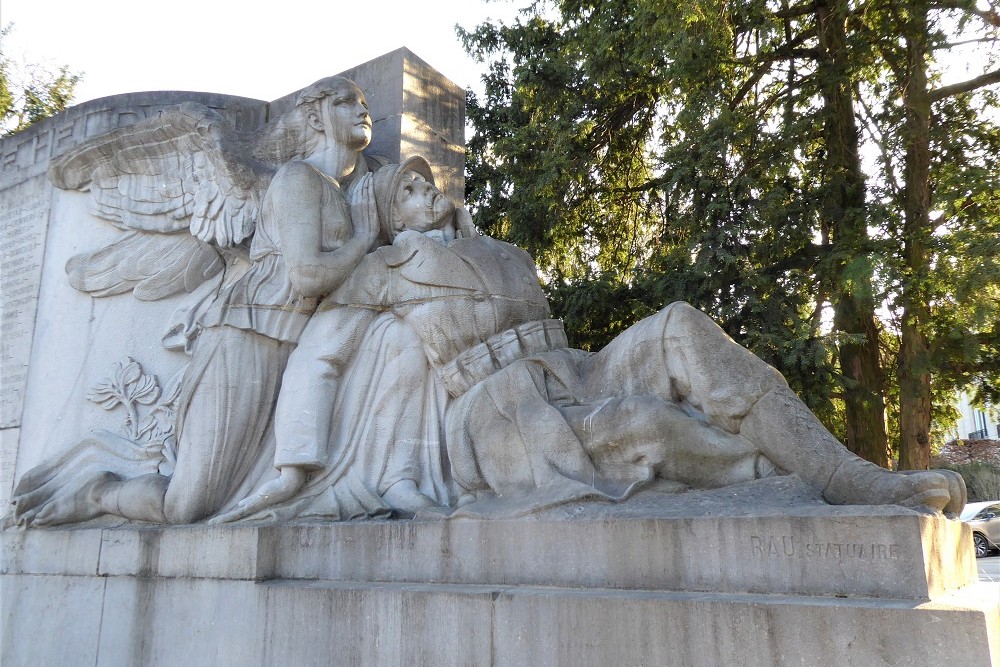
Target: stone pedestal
point(817, 587)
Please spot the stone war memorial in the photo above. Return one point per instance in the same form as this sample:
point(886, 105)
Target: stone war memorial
point(269, 398)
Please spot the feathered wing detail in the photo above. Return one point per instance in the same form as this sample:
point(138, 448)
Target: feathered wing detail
point(177, 184)
point(152, 266)
point(183, 170)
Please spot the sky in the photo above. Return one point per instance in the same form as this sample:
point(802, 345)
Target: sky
point(220, 46)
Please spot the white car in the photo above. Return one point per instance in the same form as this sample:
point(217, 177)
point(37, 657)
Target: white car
point(984, 519)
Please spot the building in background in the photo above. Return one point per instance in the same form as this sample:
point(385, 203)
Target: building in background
point(975, 423)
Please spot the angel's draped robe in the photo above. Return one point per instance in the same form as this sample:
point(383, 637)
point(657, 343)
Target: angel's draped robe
point(224, 436)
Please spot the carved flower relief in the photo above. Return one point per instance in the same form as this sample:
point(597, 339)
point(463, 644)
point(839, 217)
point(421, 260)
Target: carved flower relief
point(128, 386)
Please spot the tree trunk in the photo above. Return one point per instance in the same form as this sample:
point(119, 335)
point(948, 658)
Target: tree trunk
point(844, 212)
point(914, 354)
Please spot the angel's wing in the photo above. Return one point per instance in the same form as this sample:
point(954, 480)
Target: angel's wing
point(151, 266)
point(184, 169)
point(177, 184)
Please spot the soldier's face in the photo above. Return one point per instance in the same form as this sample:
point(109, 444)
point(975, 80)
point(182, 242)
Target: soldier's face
point(420, 206)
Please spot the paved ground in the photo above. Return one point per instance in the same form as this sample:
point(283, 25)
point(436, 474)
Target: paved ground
point(989, 568)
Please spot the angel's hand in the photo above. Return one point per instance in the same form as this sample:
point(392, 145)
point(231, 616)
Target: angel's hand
point(364, 214)
point(278, 490)
point(463, 224)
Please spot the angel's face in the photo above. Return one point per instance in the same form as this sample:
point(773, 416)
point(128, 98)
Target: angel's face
point(420, 206)
point(348, 109)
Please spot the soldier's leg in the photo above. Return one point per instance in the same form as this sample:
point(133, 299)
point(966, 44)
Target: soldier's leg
point(647, 430)
point(682, 355)
point(304, 409)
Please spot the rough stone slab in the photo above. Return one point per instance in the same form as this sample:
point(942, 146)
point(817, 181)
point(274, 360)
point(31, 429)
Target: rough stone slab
point(708, 630)
point(382, 624)
point(219, 622)
point(131, 621)
point(58, 552)
point(8, 457)
point(50, 620)
point(903, 555)
point(23, 227)
point(185, 622)
point(899, 554)
point(187, 552)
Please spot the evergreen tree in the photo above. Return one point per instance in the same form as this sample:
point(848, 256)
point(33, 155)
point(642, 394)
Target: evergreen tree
point(922, 295)
point(651, 151)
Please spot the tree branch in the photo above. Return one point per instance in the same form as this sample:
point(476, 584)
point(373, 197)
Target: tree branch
point(951, 45)
point(987, 79)
point(787, 51)
point(798, 10)
point(988, 16)
point(897, 71)
point(869, 125)
point(781, 54)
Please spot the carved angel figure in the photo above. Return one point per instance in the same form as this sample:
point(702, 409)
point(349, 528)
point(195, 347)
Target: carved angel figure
point(256, 232)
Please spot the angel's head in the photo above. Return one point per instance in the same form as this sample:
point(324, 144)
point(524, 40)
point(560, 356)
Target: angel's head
point(336, 106)
point(332, 108)
point(406, 198)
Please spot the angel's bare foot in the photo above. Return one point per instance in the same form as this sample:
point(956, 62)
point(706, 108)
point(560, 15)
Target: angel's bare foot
point(404, 496)
point(83, 505)
point(28, 504)
point(278, 490)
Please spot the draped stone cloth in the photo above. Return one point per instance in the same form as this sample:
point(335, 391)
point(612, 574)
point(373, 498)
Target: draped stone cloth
point(508, 437)
point(369, 400)
point(367, 412)
point(440, 314)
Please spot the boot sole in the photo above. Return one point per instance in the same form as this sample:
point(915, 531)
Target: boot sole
point(935, 499)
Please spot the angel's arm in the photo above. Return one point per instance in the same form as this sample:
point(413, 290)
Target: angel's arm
point(295, 199)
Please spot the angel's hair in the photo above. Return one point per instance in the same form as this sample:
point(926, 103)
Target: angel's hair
point(331, 85)
point(286, 137)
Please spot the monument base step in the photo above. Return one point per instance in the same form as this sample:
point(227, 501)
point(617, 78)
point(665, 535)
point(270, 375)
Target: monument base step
point(72, 620)
point(755, 575)
point(727, 541)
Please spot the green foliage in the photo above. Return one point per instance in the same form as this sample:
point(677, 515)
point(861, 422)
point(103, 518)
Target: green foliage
point(642, 171)
point(965, 282)
point(29, 93)
point(650, 151)
point(982, 480)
